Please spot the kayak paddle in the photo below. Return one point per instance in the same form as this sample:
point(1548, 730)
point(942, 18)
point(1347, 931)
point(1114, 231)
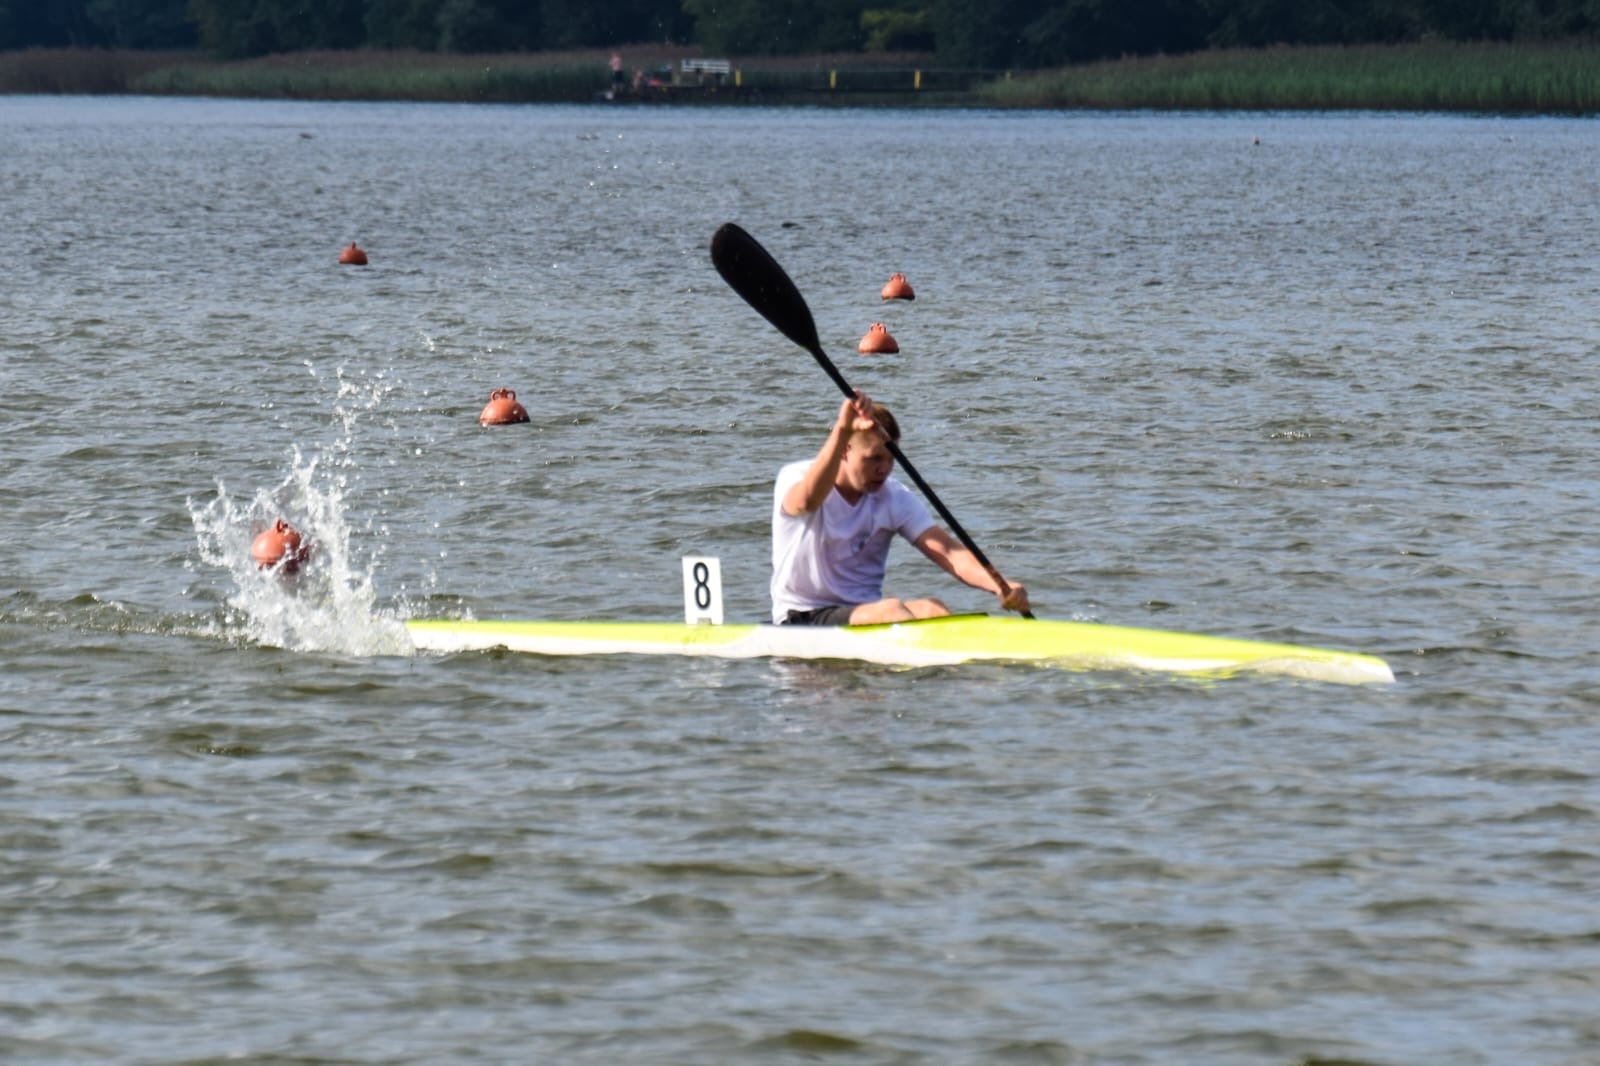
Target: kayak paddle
point(752, 273)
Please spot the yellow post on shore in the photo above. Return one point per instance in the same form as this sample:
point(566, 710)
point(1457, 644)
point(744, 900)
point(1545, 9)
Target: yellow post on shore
point(738, 78)
point(916, 80)
point(833, 79)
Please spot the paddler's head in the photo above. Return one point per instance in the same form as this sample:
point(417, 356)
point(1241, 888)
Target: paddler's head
point(867, 459)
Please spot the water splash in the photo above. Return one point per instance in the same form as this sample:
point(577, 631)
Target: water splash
point(329, 604)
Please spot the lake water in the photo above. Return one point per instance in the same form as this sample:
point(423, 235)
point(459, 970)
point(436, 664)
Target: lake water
point(1326, 379)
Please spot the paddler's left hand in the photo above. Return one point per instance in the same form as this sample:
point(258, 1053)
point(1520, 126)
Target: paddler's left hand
point(1015, 599)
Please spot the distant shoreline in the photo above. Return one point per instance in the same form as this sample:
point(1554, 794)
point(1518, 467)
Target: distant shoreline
point(1562, 78)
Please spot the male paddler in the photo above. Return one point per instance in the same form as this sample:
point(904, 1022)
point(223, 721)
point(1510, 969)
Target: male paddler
point(833, 519)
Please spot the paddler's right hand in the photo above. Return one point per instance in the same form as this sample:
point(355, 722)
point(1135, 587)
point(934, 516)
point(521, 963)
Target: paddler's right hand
point(855, 414)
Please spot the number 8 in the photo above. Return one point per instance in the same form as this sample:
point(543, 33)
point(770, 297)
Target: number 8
point(702, 586)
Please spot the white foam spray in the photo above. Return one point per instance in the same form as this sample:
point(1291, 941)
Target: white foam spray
point(329, 604)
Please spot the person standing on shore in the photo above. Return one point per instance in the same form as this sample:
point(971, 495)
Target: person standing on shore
point(617, 79)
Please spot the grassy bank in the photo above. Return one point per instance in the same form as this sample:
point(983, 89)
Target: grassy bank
point(78, 70)
point(562, 78)
point(1554, 79)
point(545, 77)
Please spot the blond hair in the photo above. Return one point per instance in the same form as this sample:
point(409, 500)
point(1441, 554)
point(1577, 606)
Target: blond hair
point(886, 422)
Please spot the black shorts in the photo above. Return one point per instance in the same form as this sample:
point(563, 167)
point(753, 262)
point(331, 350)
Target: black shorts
point(821, 616)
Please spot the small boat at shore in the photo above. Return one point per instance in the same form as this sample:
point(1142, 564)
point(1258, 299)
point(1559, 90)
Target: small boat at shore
point(929, 642)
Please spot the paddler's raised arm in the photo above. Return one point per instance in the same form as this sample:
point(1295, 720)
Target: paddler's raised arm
point(811, 491)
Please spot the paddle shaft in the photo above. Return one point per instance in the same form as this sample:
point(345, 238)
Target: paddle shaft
point(752, 272)
point(911, 472)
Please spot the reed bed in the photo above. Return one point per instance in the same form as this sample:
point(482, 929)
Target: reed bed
point(355, 75)
point(369, 75)
point(60, 71)
point(1551, 78)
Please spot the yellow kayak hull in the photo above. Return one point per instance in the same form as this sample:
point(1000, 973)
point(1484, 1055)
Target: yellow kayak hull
point(930, 642)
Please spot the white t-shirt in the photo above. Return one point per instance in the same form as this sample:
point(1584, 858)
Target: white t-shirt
point(837, 555)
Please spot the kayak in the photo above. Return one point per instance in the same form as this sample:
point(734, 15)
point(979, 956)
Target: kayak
point(927, 642)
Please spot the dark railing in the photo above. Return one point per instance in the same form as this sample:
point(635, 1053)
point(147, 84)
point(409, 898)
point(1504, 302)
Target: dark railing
point(816, 85)
point(860, 80)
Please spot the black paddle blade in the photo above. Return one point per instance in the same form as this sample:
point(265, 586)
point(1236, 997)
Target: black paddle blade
point(752, 273)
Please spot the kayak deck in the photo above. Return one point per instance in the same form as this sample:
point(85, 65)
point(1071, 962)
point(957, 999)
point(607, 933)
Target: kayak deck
point(929, 642)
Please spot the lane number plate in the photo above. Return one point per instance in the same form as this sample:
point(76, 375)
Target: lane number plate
point(702, 590)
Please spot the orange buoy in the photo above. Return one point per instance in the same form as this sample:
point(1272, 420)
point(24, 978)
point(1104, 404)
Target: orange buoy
point(877, 342)
point(898, 288)
point(280, 544)
point(502, 409)
point(353, 256)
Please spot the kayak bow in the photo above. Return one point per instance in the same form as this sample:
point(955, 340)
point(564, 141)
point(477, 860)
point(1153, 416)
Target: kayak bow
point(930, 642)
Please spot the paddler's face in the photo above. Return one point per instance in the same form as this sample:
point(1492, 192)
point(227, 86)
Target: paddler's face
point(867, 462)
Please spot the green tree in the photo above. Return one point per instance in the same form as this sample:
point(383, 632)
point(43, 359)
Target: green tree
point(1253, 23)
point(142, 23)
point(403, 24)
point(336, 23)
point(575, 23)
point(489, 26)
point(1077, 30)
point(638, 21)
point(46, 24)
point(237, 28)
point(979, 33)
point(905, 29)
point(1504, 20)
point(229, 27)
point(1469, 20)
point(585, 24)
point(777, 27)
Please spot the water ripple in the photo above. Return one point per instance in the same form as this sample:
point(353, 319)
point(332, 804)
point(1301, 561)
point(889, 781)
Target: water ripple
point(1327, 389)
